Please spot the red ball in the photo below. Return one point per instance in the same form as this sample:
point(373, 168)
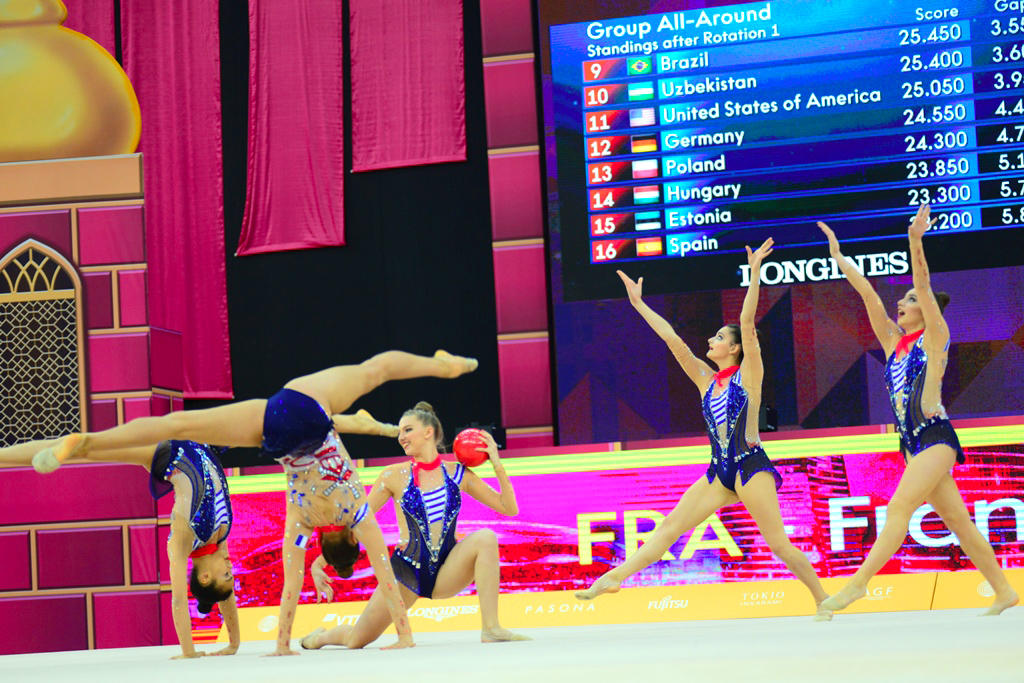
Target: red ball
point(466, 444)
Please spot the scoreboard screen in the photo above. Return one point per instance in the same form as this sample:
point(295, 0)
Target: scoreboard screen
point(675, 136)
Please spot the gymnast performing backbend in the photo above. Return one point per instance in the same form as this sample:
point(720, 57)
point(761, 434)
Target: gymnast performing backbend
point(916, 347)
point(293, 427)
point(428, 561)
point(200, 525)
point(740, 469)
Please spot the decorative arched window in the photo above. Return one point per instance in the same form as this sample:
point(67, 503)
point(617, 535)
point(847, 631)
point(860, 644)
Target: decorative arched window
point(42, 387)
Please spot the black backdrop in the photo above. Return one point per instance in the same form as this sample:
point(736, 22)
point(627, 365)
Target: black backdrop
point(416, 274)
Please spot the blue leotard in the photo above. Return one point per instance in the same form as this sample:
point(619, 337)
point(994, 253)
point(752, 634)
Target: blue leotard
point(904, 380)
point(417, 564)
point(732, 454)
point(210, 507)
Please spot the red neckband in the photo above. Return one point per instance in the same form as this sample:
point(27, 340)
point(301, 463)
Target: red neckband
point(208, 549)
point(725, 374)
point(417, 466)
point(906, 341)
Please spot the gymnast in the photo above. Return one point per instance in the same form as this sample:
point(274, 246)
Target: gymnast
point(740, 469)
point(428, 561)
point(916, 347)
point(292, 427)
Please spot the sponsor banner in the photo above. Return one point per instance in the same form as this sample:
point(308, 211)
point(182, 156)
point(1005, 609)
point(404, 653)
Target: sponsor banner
point(788, 598)
point(970, 589)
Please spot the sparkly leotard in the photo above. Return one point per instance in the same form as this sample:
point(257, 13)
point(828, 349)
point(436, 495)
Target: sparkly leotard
point(417, 564)
point(210, 507)
point(298, 434)
point(732, 454)
point(904, 379)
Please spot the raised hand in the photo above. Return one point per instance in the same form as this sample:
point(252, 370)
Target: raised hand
point(491, 449)
point(635, 290)
point(922, 221)
point(833, 243)
point(755, 257)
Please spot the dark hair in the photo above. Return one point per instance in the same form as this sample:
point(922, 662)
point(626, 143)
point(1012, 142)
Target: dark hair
point(424, 412)
point(942, 299)
point(207, 595)
point(339, 552)
point(737, 337)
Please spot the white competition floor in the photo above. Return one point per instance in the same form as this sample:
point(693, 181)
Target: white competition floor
point(948, 645)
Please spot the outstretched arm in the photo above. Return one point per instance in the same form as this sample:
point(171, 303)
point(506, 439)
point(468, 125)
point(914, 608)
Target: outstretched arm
point(503, 502)
point(936, 332)
point(229, 610)
point(887, 332)
point(294, 559)
point(752, 366)
point(178, 547)
point(696, 369)
point(368, 533)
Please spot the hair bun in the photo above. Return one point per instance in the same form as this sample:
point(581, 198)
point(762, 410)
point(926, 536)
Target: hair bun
point(204, 607)
point(425, 407)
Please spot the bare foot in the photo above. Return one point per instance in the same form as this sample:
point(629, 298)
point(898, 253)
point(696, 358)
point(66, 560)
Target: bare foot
point(311, 641)
point(372, 426)
point(604, 584)
point(1002, 603)
point(456, 365)
point(843, 598)
point(49, 459)
point(500, 635)
point(823, 614)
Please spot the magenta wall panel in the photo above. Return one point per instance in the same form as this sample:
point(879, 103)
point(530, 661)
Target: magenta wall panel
point(162, 532)
point(516, 209)
point(542, 440)
point(52, 228)
point(82, 492)
point(143, 550)
point(524, 372)
point(507, 27)
point(177, 403)
point(520, 288)
point(137, 407)
point(159, 405)
point(44, 624)
point(131, 288)
point(70, 558)
point(511, 100)
point(16, 564)
point(102, 414)
point(165, 351)
point(99, 300)
point(126, 619)
point(118, 362)
point(169, 637)
point(111, 235)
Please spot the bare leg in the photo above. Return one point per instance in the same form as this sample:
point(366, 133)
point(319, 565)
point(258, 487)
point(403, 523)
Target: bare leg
point(235, 424)
point(21, 453)
point(762, 503)
point(946, 500)
point(696, 505)
point(475, 558)
point(338, 388)
point(923, 473)
point(371, 624)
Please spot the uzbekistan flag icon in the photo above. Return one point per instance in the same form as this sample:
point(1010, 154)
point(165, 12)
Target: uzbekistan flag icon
point(645, 168)
point(644, 90)
point(647, 194)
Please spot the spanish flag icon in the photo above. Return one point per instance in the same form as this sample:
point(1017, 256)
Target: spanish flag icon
point(648, 246)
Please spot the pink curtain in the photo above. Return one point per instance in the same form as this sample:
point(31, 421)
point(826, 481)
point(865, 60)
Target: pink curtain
point(296, 166)
point(94, 18)
point(408, 85)
point(171, 52)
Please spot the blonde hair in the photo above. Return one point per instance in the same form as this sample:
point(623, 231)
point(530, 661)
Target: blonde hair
point(424, 412)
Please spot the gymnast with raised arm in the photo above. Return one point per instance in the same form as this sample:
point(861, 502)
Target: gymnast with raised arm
point(916, 347)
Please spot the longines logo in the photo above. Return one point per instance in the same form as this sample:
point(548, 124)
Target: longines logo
point(816, 269)
point(762, 598)
point(442, 613)
point(879, 592)
point(667, 603)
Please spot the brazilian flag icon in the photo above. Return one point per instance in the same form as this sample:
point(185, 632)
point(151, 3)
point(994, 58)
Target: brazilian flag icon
point(639, 66)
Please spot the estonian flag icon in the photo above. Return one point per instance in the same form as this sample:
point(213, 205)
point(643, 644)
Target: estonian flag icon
point(647, 220)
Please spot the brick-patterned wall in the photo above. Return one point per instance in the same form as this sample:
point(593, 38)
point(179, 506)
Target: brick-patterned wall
point(83, 562)
point(520, 280)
